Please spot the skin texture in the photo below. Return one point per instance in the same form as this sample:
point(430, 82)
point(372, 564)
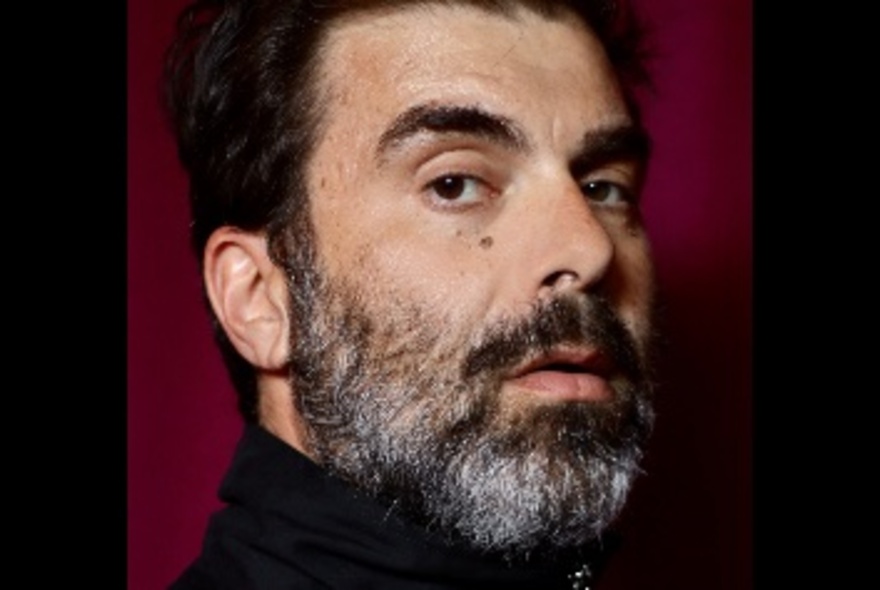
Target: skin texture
point(524, 230)
point(476, 177)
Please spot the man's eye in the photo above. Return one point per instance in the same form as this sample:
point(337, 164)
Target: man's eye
point(455, 187)
point(602, 191)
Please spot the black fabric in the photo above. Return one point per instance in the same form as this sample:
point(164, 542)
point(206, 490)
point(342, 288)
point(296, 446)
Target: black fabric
point(290, 525)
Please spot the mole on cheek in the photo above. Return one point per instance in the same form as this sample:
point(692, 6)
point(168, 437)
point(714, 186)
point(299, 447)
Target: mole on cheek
point(486, 242)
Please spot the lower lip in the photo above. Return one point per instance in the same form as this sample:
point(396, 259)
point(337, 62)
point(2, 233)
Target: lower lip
point(562, 386)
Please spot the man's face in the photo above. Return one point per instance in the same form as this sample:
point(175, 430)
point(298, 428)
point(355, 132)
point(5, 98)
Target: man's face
point(476, 345)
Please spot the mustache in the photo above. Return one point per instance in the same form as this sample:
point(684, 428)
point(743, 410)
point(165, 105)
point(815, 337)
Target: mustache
point(586, 320)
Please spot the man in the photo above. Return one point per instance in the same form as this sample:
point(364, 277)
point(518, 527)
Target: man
point(419, 230)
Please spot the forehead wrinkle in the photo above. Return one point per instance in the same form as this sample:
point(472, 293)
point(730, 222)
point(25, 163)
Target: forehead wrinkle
point(452, 119)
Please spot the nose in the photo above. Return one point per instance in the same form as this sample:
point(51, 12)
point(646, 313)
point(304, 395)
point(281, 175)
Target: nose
point(573, 247)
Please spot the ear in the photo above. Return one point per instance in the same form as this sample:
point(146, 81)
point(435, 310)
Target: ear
point(248, 294)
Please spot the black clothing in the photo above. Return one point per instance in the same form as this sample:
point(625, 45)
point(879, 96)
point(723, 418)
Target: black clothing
point(290, 525)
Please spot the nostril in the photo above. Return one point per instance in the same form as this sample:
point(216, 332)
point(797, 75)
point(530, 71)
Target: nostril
point(560, 279)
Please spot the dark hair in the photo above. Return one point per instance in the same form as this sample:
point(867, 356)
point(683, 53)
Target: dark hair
point(239, 91)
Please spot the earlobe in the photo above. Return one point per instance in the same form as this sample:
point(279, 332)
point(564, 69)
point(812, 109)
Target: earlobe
point(248, 294)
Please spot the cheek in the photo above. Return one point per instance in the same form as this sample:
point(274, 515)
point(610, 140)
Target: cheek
point(397, 258)
point(632, 285)
point(431, 277)
point(382, 242)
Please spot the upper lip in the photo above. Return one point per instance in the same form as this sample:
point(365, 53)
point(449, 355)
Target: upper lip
point(576, 359)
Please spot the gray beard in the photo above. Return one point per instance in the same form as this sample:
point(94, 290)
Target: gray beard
point(410, 412)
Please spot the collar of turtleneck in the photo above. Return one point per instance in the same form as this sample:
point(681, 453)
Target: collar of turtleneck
point(289, 524)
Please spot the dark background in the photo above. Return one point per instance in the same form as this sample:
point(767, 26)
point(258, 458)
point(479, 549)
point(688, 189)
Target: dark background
point(689, 523)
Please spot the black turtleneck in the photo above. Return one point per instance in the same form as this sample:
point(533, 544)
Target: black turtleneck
point(290, 525)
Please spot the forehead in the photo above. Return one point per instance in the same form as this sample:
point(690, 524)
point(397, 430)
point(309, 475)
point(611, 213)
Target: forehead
point(386, 61)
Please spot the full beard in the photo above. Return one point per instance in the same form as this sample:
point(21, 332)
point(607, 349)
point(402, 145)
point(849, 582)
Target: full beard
point(411, 411)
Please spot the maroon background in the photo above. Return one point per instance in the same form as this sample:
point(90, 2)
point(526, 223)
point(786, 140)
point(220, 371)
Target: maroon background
point(689, 523)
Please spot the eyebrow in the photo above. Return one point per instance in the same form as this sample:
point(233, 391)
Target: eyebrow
point(447, 119)
point(597, 147)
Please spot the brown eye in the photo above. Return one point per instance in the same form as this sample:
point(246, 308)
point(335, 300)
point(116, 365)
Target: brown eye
point(602, 191)
point(456, 188)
